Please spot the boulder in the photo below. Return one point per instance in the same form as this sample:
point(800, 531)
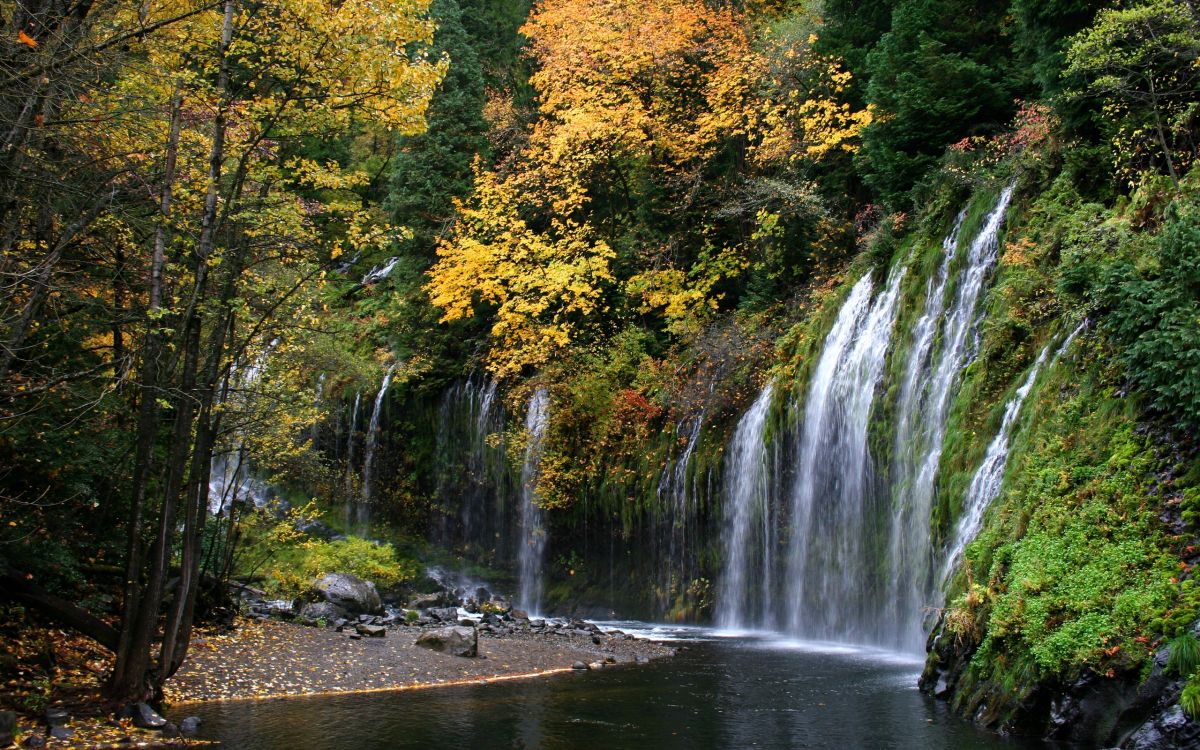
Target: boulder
point(371, 631)
point(458, 641)
point(145, 717)
point(170, 730)
point(444, 614)
point(519, 614)
point(190, 725)
point(327, 611)
point(34, 740)
point(61, 733)
point(349, 592)
point(425, 601)
point(579, 665)
point(8, 728)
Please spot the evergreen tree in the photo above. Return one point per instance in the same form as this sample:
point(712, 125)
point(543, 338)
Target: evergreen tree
point(937, 75)
point(433, 168)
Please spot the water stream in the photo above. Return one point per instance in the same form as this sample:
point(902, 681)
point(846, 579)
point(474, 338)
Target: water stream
point(833, 553)
point(746, 596)
point(362, 509)
point(533, 530)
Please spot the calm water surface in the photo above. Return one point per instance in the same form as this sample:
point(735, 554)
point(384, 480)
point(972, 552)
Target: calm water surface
point(719, 692)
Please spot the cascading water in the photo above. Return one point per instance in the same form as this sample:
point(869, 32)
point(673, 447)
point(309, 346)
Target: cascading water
point(472, 477)
point(230, 477)
point(350, 444)
point(373, 437)
point(989, 477)
point(833, 552)
point(533, 531)
point(928, 390)
point(746, 593)
point(676, 496)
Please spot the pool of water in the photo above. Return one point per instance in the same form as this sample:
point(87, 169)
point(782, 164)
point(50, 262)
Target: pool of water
point(721, 691)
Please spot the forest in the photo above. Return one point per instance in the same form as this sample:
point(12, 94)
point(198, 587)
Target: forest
point(873, 324)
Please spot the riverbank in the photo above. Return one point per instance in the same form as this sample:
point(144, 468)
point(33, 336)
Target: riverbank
point(273, 659)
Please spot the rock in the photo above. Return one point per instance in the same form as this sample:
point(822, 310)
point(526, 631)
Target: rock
point(56, 716)
point(33, 740)
point(425, 601)
point(466, 622)
point(519, 614)
point(145, 717)
point(190, 725)
point(371, 631)
point(355, 637)
point(170, 730)
point(350, 592)
point(444, 614)
point(610, 660)
point(458, 641)
point(596, 640)
point(596, 665)
point(327, 611)
point(642, 659)
point(61, 733)
point(579, 665)
point(537, 623)
point(8, 728)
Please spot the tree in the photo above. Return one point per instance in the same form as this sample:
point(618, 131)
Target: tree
point(932, 83)
point(434, 168)
point(194, 240)
point(1141, 62)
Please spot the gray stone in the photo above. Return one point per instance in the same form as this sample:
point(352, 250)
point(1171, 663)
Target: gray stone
point(349, 592)
point(371, 631)
point(425, 601)
point(170, 730)
point(327, 611)
point(444, 614)
point(579, 665)
point(61, 733)
point(190, 725)
point(33, 740)
point(458, 641)
point(145, 717)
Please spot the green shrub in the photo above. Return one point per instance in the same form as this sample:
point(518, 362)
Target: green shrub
point(1184, 655)
point(293, 573)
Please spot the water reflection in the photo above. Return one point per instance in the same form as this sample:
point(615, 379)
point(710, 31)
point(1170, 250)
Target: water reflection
point(726, 692)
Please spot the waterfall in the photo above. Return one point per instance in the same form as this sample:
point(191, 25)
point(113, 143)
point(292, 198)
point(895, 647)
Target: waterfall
point(923, 407)
point(533, 532)
point(472, 473)
point(748, 534)
point(373, 436)
point(317, 397)
point(350, 443)
point(985, 485)
point(230, 476)
point(676, 497)
point(832, 555)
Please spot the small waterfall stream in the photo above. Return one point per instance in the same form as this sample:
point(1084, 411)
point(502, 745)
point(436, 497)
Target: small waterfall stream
point(533, 531)
point(989, 477)
point(350, 443)
point(675, 515)
point(833, 552)
point(472, 474)
point(746, 593)
point(368, 469)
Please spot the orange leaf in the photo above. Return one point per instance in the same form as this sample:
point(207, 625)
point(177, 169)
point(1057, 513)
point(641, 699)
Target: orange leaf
point(24, 38)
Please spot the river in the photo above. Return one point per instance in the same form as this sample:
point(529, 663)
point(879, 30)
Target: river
point(721, 691)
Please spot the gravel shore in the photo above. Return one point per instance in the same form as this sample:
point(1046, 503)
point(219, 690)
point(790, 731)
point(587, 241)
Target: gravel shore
point(265, 659)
